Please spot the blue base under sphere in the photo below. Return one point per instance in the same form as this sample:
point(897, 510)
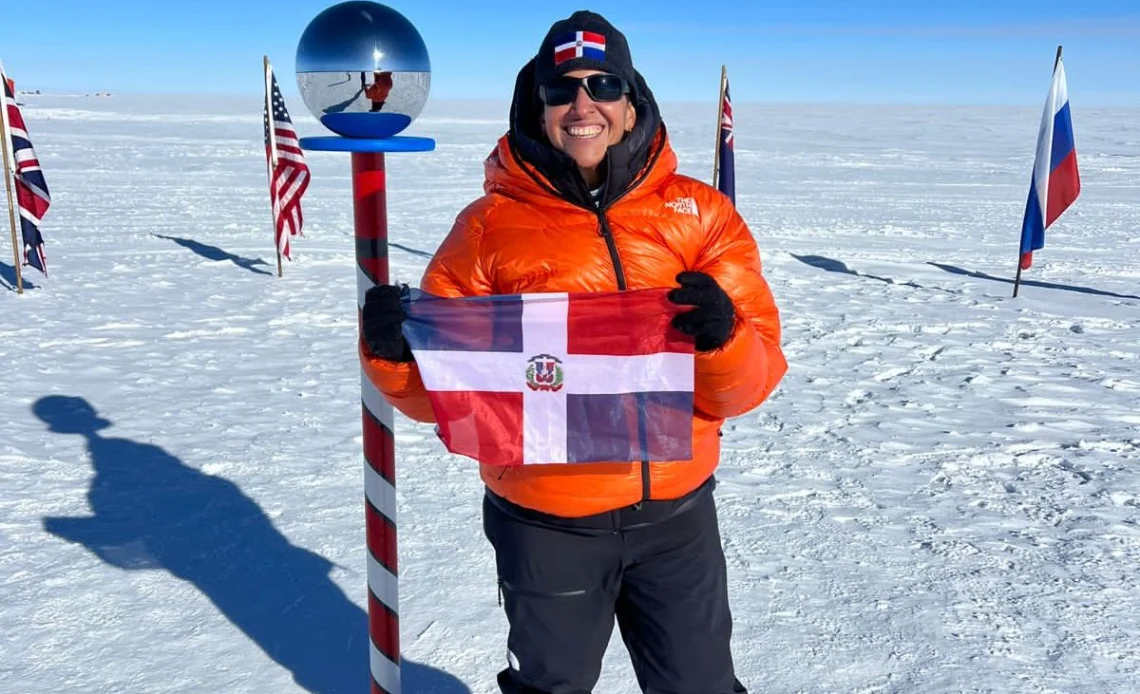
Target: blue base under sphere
point(363, 70)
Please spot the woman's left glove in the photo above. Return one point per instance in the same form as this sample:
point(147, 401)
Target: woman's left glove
point(710, 323)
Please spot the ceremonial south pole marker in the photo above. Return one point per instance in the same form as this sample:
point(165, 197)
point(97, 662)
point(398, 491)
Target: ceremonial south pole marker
point(363, 72)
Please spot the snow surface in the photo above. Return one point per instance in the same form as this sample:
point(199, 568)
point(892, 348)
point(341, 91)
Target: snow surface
point(942, 496)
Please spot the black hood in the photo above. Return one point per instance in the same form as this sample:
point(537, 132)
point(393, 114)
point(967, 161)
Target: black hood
point(623, 162)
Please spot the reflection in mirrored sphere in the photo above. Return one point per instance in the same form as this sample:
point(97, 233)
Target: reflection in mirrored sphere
point(363, 70)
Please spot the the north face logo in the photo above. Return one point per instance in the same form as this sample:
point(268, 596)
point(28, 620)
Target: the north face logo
point(684, 206)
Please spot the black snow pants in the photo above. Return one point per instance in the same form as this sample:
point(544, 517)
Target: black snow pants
point(657, 567)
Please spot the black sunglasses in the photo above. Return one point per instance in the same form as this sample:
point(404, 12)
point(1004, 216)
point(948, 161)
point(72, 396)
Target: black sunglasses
point(602, 87)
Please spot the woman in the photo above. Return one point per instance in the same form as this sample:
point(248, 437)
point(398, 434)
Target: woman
point(582, 194)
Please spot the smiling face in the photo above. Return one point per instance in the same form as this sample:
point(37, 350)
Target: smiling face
point(584, 129)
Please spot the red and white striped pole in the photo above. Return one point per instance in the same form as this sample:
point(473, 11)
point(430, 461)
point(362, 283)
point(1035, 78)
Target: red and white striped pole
point(370, 223)
point(370, 216)
point(357, 38)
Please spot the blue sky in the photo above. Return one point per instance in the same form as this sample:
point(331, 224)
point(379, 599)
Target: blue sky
point(889, 51)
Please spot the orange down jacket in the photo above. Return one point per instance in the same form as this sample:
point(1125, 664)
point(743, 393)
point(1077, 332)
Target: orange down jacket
point(520, 238)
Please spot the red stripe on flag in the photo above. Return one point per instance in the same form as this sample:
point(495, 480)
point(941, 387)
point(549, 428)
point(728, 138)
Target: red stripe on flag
point(625, 324)
point(593, 37)
point(1064, 187)
point(484, 426)
point(379, 446)
point(381, 537)
point(384, 628)
point(565, 54)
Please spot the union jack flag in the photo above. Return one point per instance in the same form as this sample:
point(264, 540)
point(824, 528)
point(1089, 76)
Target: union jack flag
point(31, 189)
point(288, 172)
point(726, 182)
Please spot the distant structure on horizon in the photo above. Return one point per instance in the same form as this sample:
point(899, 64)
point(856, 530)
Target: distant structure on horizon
point(37, 92)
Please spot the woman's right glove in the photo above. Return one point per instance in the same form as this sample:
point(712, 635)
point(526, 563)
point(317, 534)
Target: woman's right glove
point(712, 320)
point(382, 320)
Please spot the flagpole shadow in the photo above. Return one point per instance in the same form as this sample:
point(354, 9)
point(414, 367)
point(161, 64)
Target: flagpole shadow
point(8, 274)
point(832, 265)
point(217, 254)
point(1030, 283)
point(408, 249)
point(152, 511)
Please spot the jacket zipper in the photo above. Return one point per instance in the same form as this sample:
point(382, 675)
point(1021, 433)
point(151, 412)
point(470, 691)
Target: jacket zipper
point(619, 271)
point(607, 234)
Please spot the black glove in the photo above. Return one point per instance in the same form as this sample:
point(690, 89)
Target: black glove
point(382, 319)
point(712, 320)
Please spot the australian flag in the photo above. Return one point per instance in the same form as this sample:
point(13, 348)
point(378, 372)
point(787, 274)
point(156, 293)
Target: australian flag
point(31, 188)
point(726, 181)
point(556, 378)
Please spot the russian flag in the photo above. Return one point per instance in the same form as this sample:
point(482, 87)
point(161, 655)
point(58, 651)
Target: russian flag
point(1056, 182)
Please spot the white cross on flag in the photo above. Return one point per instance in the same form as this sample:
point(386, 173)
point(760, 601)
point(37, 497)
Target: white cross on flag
point(556, 378)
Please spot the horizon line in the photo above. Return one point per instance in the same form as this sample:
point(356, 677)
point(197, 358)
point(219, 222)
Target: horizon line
point(103, 94)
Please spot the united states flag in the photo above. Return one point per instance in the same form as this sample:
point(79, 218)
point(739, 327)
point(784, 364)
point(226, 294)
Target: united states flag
point(288, 172)
point(31, 188)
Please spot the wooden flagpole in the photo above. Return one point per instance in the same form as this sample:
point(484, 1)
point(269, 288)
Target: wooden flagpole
point(271, 159)
point(719, 118)
point(1017, 278)
point(9, 173)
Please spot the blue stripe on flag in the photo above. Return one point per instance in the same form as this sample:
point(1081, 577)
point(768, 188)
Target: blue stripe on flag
point(1033, 225)
point(472, 324)
point(629, 426)
point(593, 53)
point(34, 243)
point(1062, 137)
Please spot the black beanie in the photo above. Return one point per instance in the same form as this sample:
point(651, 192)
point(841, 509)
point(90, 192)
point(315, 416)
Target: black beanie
point(584, 40)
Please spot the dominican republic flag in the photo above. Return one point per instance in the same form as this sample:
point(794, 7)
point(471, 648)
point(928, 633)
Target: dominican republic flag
point(579, 44)
point(556, 378)
point(1056, 182)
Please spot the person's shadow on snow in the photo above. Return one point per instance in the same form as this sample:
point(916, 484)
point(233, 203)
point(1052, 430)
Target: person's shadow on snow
point(153, 512)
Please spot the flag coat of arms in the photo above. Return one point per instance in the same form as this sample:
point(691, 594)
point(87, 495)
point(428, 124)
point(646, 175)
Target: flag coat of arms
point(556, 378)
point(1056, 182)
point(32, 194)
point(579, 44)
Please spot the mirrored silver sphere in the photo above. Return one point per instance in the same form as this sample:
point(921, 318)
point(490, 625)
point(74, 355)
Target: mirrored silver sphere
point(363, 69)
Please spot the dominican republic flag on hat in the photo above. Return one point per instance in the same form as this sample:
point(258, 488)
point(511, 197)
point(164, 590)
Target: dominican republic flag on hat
point(579, 44)
point(556, 378)
point(1056, 183)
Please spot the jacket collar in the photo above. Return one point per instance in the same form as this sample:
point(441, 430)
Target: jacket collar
point(525, 165)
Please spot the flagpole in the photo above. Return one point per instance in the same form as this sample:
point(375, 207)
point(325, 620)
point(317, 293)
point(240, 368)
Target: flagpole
point(9, 172)
point(719, 119)
point(271, 159)
point(1017, 278)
